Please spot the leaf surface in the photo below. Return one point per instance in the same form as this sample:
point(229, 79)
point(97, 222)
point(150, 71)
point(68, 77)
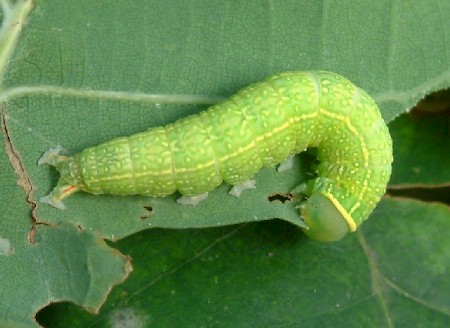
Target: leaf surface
point(78, 73)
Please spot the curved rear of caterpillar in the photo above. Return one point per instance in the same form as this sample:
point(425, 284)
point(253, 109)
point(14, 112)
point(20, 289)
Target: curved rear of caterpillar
point(261, 125)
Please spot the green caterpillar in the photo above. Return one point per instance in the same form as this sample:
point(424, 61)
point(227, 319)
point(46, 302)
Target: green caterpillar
point(262, 125)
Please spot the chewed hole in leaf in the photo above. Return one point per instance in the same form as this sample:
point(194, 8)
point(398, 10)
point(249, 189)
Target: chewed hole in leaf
point(281, 197)
point(147, 214)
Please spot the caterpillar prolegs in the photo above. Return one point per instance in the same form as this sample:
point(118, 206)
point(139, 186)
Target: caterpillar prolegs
point(262, 125)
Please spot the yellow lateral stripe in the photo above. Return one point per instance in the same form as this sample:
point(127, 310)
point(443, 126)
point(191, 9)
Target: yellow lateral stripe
point(351, 223)
point(268, 135)
point(210, 163)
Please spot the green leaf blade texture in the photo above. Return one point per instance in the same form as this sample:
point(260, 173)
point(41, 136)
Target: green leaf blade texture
point(40, 263)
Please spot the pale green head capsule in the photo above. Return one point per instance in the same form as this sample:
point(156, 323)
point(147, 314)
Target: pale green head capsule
point(323, 219)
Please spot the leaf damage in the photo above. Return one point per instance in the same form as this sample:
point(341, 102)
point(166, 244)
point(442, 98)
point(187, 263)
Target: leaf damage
point(24, 180)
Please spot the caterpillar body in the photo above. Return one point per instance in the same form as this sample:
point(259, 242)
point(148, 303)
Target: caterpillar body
point(262, 125)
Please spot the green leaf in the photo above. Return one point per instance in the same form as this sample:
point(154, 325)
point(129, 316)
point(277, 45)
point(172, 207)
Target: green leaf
point(421, 149)
point(40, 264)
point(269, 274)
point(83, 72)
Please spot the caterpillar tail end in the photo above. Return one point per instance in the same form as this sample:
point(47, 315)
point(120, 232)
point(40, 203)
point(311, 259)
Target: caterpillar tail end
point(69, 182)
point(324, 219)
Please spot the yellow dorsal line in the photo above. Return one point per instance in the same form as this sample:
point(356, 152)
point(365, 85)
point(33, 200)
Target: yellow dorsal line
point(351, 223)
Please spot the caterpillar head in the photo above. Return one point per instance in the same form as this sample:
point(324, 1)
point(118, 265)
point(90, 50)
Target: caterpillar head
point(323, 219)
